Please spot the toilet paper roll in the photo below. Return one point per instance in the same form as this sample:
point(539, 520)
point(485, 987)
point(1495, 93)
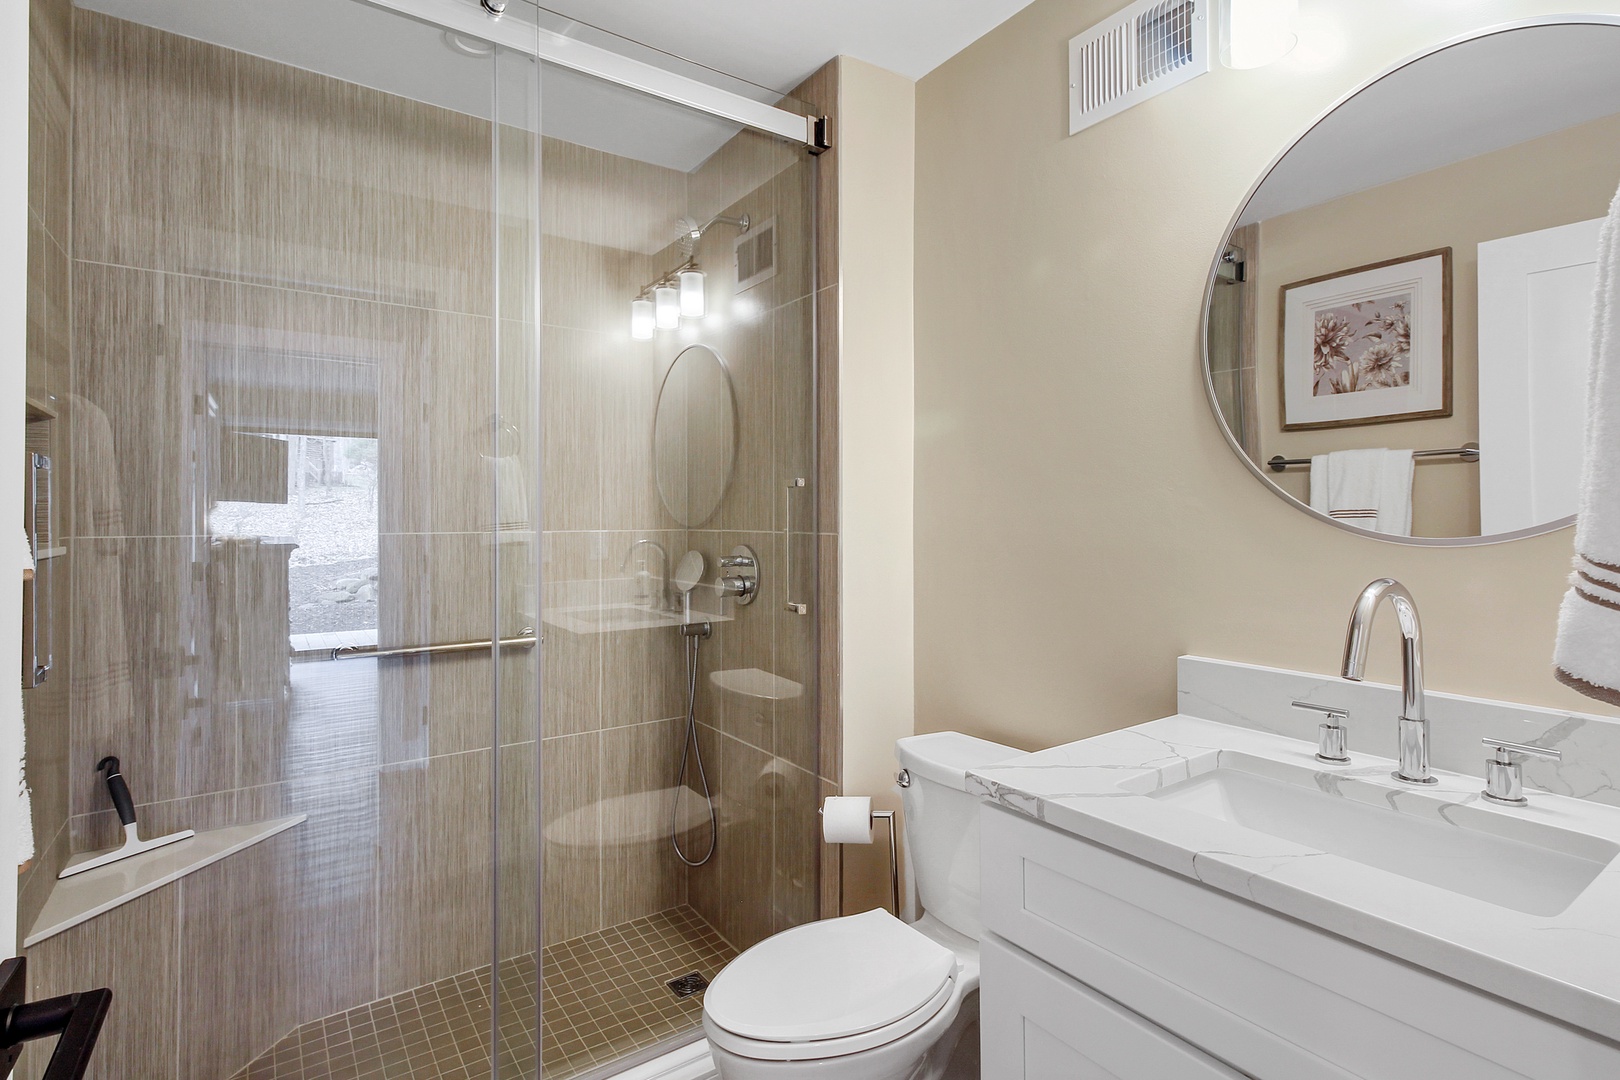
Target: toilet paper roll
point(846, 819)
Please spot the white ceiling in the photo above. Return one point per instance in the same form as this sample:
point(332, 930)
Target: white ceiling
point(777, 43)
point(1471, 99)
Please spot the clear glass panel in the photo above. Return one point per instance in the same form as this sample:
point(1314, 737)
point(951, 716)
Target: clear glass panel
point(348, 415)
point(623, 912)
point(301, 433)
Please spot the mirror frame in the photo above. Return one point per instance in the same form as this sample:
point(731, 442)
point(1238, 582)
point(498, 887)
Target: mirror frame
point(1572, 19)
point(736, 431)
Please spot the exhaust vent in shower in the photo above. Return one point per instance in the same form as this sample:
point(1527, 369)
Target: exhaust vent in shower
point(756, 255)
point(1148, 48)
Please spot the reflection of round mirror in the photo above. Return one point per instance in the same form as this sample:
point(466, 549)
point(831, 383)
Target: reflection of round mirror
point(1398, 324)
point(695, 435)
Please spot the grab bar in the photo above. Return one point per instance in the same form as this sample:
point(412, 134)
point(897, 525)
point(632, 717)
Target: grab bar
point(787, 571)
point(39, 660)
point(526, 639)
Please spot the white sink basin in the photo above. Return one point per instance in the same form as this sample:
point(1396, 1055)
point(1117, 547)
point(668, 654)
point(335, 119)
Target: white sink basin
point(1522, 865)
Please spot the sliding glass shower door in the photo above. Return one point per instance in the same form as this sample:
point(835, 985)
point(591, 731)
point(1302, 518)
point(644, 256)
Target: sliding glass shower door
point(402, 561)
point(678, 452)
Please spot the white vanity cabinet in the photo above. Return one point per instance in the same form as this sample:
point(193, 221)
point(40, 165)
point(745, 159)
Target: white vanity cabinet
point(1096, 961)
point(1042, 1025)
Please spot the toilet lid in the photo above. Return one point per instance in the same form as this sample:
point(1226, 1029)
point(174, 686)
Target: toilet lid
point(829, 979)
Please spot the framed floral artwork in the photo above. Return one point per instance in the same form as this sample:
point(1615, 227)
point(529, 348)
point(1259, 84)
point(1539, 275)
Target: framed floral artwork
point(1369, 345)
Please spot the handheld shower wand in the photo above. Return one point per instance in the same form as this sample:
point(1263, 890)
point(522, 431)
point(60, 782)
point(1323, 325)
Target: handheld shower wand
point(124, 803)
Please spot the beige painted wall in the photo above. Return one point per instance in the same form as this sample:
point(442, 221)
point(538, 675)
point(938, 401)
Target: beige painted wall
point(1554, 180)
point(1080, 520)
point(875, 144)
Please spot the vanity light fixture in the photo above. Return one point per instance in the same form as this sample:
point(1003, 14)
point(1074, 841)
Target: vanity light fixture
point(679, 293)
point(691, 290)
point(1255, 33)
point(666, 306)
point(642, 318)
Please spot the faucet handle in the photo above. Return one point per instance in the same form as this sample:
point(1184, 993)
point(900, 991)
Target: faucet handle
point(1504, 774)
point(1331, 736)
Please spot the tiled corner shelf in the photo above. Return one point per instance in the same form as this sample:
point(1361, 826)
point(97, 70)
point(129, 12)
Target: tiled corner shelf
point(84, 896)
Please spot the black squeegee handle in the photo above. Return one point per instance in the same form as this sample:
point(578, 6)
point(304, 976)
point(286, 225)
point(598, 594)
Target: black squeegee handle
point(108, 767)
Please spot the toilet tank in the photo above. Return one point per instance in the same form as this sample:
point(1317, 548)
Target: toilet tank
point(942, 823)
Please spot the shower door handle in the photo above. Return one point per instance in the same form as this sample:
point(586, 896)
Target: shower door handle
point(37, 661)
point(797, 482)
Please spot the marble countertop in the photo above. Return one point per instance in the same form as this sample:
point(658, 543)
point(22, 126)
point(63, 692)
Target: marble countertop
point(1566, 965)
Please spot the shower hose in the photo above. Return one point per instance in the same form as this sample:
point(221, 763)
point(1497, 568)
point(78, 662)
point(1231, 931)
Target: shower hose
point(691, 755)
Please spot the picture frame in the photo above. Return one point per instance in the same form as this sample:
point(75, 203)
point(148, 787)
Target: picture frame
point(1367, 345)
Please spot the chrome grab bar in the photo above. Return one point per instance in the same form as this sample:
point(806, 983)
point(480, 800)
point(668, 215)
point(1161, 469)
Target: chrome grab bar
point(526, 639)
point(787, 571)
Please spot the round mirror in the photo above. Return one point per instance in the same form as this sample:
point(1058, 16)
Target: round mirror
point(1398, 323)
point(695, 435)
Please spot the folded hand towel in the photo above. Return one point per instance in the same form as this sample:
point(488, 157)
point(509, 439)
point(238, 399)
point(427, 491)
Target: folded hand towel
point(1370, 489)
point(1587, 656)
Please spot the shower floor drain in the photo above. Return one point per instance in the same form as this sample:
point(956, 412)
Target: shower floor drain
point(687, 985)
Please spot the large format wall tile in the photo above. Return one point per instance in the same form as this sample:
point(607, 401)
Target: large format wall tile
point(518, 845)
point(134, 951)
point(329, 877)
point(171, 337)
point(50, 82)
point(640, 874)
point(153, 133)
point(435, 870)
point(141, 686)
point(305, 181)
point(237, 945)
point(571, 835)
point(433, 196)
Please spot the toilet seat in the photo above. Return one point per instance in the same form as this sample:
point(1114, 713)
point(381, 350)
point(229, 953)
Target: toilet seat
point(830, 988)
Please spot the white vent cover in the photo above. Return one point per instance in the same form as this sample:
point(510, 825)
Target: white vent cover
point(756, 255)
point(1144, 50)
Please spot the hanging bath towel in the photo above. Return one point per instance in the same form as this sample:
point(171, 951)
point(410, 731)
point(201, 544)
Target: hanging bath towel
point(1370, 489)
point(1587, 656)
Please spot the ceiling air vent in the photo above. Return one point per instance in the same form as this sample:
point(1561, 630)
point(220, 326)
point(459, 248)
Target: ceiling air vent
point(1144, 50)
point(756, 255)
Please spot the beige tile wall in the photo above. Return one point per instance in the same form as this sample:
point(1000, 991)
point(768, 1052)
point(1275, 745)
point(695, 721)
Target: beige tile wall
point(48, 350)
point(246, 216)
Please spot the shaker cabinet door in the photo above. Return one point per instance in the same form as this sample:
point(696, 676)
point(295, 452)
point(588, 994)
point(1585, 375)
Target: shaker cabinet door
point(1039, 1024)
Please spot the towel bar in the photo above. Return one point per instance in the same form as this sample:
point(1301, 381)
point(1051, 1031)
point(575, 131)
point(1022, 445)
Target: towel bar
point(1467, 451)
point(526, 639)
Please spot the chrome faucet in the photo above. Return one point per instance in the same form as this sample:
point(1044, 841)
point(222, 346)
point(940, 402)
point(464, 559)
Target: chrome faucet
point(1413, 724)
point(661, 600)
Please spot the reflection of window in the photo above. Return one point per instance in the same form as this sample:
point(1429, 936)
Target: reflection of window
point(330, 513)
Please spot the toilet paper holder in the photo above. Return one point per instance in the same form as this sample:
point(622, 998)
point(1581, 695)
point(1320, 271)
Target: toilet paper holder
point(887, 817)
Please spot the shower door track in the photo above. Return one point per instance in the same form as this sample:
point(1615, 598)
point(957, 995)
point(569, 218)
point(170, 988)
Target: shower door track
point(470, 19)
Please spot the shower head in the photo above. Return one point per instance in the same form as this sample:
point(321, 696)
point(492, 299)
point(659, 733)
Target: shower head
point(691, 231)
point(689, 571)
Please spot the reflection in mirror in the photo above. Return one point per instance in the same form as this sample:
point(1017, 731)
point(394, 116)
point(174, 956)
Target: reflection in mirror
point(1414, 278)
point(695, 435)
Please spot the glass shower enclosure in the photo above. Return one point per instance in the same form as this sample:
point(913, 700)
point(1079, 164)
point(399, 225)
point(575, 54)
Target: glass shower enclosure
point(436, 443)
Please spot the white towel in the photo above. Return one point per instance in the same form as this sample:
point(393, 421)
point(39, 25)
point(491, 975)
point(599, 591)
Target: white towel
point(1587, 656)
point(1370, 489)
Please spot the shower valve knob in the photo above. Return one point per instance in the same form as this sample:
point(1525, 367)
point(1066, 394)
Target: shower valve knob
point(738, 587)
point(741, 580)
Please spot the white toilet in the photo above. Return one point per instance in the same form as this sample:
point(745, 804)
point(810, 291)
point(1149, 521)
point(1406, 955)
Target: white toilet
point(868, 997)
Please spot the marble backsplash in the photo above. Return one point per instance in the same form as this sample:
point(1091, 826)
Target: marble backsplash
point(1248, 695)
